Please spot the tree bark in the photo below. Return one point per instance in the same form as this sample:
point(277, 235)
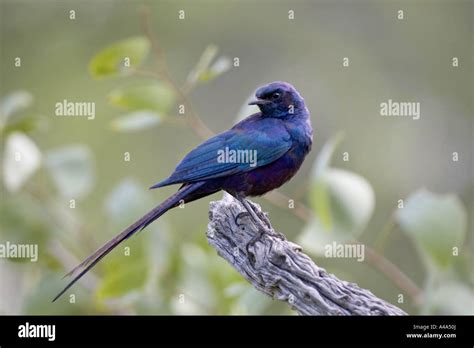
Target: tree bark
point(278, 267)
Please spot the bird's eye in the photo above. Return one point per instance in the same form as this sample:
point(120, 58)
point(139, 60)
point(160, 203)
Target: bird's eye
point(276, 95)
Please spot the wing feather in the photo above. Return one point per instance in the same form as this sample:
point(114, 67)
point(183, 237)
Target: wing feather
point(202, 162)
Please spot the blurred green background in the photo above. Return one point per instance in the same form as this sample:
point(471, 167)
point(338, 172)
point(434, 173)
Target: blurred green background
point(169, 268)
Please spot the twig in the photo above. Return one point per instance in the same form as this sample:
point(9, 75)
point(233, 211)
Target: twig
point(394, 273)
point(195, 122)
point(281, 200)
point(278, 268)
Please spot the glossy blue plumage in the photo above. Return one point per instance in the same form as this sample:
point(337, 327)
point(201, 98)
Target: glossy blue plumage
point(281, 136)
point(251, 134)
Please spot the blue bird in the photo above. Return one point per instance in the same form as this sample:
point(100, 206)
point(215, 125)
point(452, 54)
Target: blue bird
point(278, 138)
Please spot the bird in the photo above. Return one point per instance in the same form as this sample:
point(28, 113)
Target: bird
point(280, 135)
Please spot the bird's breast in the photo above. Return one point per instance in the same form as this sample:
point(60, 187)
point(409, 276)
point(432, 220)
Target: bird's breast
point(263, 179)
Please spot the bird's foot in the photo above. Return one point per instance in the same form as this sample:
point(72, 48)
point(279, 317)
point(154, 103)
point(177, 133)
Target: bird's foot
point(257, 215)
point(260, 219)
point(278, 235)
point(240, 216)
point(251, 243)
point(262, 216)
point(258, 222)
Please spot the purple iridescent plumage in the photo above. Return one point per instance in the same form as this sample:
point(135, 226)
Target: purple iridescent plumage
point(280, 135)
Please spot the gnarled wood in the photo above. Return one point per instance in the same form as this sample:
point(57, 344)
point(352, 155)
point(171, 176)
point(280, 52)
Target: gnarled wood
point(278, 268)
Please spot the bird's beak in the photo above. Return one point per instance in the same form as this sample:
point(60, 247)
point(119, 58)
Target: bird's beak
point(259, 102)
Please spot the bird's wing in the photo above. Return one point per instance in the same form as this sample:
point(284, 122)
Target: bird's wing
point(203, 162)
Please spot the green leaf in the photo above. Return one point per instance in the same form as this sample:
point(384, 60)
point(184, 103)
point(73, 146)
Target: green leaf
point(203, 64)
point(114, 59)
point(437, 223)
point(152, 96)
point(21, 160)
point(71, 170)
point(136, 121)
point(220, 66)
point(205, 70)
point(351, 200)
point(343, 203)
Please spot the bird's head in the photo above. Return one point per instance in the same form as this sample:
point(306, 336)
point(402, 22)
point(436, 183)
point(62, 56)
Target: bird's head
point(278, 99)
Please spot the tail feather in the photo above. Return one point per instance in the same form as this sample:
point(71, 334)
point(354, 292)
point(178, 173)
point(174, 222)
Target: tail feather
point(144, 221)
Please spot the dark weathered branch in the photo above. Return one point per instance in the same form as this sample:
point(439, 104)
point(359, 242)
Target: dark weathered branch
point(278, 268)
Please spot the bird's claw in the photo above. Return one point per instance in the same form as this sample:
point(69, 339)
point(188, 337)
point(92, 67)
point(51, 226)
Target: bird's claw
point(252, 242)
point(259, 235)
point(240, 216)
point(279, 235)
point(261, 215)
point(264, 217)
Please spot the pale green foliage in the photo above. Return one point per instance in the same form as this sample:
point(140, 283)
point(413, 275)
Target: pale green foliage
point(205, 70)
point(113, 59)
point(437, 223)
point(136, 121)
point(145, 96)
point(342, 201)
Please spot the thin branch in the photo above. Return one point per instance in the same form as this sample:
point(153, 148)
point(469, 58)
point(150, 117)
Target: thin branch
point(195, 122)
point(283, 201)
point(156, 48)
point(382, 237)
point(394, 273)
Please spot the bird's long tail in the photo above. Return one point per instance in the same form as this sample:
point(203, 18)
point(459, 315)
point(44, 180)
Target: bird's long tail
point(144, 221)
